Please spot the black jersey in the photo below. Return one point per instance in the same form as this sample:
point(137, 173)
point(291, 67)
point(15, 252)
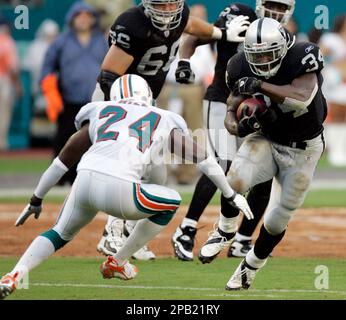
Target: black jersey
point(153, 50)
point(218, 90)
point(303, 57)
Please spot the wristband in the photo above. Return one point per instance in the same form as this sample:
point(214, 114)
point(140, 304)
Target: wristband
point(217, 33)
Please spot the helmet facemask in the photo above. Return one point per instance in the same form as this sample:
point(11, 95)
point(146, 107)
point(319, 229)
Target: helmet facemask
point(265, 58)
point(162, 19)
point(265, 46)
point(283, 16)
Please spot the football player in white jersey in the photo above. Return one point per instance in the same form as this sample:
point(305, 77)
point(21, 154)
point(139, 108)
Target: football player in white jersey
point(121, 142)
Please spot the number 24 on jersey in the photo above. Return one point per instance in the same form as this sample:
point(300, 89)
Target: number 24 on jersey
point(142, 129)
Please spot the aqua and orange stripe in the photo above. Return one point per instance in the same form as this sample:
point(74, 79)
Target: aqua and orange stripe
point(151, 204)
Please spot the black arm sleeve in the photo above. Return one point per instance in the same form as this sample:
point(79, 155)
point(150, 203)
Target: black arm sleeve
point(106, 80)
point(234, 70)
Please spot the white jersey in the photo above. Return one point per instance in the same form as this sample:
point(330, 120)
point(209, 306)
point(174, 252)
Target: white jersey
point(127, 137)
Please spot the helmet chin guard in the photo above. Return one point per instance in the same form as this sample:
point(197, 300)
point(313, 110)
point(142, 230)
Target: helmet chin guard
point(164, 19)
point(282, 16)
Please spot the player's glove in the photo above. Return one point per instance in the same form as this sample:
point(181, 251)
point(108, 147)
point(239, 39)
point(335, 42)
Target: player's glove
point(254, 122)
point(34, 207)
point(247, 86)
point(248, 124)
point(234, 28)
point(184, 73)
point(239, 202)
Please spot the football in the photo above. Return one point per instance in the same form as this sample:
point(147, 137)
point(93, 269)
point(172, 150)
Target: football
point(251, 103)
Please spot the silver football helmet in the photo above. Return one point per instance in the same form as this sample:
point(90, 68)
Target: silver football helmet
point(165, 15)
point(266, 44)
point(263, 10)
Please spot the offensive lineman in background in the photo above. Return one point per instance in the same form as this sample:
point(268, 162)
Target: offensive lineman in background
point(220, 143)
point(122, 141)
point(144, 40)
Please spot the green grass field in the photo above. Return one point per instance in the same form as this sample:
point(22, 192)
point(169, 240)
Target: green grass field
point(23, 166)
point(315, 199)
point(170, 279)
point(282, 278)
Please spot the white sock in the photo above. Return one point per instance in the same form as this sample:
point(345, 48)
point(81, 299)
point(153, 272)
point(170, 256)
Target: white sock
point(39, 250)
point(228, 225)
point(240, 237)
point(189, 222)
point(253, 261)
point(144, 231)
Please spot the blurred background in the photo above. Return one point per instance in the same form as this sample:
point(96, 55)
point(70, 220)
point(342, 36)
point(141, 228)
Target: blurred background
point(28, 127)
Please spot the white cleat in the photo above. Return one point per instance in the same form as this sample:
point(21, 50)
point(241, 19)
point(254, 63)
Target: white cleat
point(242, 278)
point(183, 241)
point(111, 240)
point(217, 241)
point(111, 269)
point(144, 254)
point(239, 249)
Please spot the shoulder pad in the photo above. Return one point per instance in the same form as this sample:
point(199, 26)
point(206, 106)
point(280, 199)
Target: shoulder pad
point(307, 57)
point(85, 114)
point(129, 28)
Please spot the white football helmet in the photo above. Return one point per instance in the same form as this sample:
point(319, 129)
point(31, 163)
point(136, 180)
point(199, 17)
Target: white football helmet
point(164, 18)
point(265, 46)
point(131, 86)
point(263, 10)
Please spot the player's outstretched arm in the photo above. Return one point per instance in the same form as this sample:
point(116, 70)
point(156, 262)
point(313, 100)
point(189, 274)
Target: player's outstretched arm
point(115, 64)
point(117, 60)
point(206, 31)
point(72, 152)
point(184, 73)
point(189, 44)
point(183, 146)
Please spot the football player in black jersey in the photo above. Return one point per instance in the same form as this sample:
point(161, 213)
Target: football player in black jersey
point(221, 144)
point(284, 141)
point(144, 40)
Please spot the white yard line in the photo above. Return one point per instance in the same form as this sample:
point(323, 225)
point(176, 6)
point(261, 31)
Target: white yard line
point(85, 285)
point(232, 295)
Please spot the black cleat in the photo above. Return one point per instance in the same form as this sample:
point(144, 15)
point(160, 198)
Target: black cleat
point(183, 241)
